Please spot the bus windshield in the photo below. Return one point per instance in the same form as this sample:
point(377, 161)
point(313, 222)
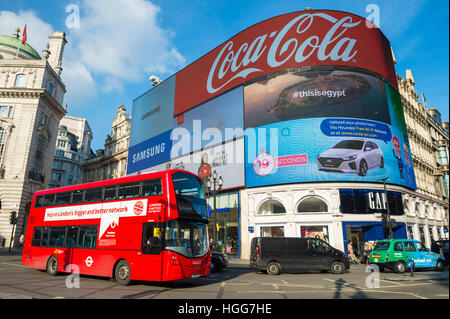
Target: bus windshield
point(190, 196)
point(187, 238)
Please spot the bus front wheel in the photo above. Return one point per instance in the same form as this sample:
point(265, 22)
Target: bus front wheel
point(52, 266)
point(122, 273)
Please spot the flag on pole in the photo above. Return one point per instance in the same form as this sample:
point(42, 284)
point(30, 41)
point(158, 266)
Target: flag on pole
point(24, 36)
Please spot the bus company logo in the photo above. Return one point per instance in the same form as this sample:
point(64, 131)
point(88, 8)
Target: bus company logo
point(138, 208)
point(238, 62)
point(89, 261)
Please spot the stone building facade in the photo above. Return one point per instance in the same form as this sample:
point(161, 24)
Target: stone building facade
point(111, 162)
point(72, 149)
point(31, 98)
point(429, 141)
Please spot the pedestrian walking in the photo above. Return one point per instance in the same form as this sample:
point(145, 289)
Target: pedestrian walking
point(351, 252)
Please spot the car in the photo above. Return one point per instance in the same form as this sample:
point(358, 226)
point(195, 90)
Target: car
point(396, 254)
point(441, 247)
point(351, 156)
point(218, 261)
point(274, 255)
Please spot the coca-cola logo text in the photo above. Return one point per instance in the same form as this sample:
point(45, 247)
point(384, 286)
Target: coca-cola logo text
point(232, 62)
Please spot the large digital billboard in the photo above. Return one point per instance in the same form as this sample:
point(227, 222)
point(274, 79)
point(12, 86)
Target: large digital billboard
point(315, 37)
point(325, 124)
point(226, 159)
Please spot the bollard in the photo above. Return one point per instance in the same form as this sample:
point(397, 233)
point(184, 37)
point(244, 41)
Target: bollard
point(411, 267)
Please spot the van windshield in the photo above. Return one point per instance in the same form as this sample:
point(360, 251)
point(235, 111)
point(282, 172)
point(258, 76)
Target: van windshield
point(382, 245)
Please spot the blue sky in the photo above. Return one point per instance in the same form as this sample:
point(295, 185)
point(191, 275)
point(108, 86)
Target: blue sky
point(119, 43)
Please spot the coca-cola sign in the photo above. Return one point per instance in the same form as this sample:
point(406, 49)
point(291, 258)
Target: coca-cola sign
point(287, 41)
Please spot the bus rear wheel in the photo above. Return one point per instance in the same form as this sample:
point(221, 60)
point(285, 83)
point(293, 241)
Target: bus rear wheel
point(122, 273)
point(52, 266)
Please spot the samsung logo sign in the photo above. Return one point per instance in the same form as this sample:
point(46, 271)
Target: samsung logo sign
point(149, 152)
point(151, 112)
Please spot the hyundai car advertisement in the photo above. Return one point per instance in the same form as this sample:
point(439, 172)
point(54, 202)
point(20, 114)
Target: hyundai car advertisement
point(327, 124)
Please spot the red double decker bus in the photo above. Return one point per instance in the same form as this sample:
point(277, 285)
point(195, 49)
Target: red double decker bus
point(145, 227)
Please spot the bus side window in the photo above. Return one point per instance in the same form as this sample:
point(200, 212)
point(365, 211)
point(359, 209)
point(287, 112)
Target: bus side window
point(77, 197)
point(57, 236)
point(45, 233)
point(110, 192)
point(63, 198)
point(129, 190)
point(93, 195)
point(49, 200)
point(87, 237)
point(37, 236)
point(39, 201)
point(152, 187)
point(72, 234)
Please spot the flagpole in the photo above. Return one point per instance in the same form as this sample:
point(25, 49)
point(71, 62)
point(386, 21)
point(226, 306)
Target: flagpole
point(18, 47)
point(17, 52)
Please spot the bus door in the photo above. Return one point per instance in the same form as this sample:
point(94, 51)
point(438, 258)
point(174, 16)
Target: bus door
point(151, 247)
point(83, 249)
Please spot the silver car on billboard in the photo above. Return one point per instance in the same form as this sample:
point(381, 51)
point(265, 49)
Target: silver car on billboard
point(351, 156)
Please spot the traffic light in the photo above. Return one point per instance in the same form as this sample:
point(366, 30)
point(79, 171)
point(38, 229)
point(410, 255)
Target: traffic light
point(384, 221)
point(13, 218)
point(393, 224)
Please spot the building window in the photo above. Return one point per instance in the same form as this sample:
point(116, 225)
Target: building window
point(20, 80)
point(5, 111)
point(272, 231)
point(271, 207)
point(312, 205)
point(50, 88)
point(319, 232)
point(39, 157)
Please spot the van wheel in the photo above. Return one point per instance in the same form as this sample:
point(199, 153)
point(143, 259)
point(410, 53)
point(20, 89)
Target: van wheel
point(399, 267)
point(382, 162)
point(52, 266)
point(440, 265)
point(337, 267)
point(273, 268)
point(122, 273)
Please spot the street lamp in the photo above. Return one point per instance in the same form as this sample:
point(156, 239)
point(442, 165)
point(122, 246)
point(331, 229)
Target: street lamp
point(391, 236)
point(214, 185)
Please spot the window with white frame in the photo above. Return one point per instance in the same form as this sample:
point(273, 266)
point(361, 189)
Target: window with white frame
point(20, 81)
point(271, 207)
point(312, 205)
point(6, 111)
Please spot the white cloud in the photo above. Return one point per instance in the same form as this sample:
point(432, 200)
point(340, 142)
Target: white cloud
point(80, 85)
point(118, 42)
point(37, 30)
point(122, 39)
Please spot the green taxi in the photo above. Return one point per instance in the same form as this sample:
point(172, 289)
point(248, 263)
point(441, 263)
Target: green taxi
point(397, 254)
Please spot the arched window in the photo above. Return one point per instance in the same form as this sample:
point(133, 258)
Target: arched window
point(271, 207)
point(20, 80)
point(312, 205)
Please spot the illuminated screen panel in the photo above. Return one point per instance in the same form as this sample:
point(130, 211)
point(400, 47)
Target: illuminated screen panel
point(331, 124)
